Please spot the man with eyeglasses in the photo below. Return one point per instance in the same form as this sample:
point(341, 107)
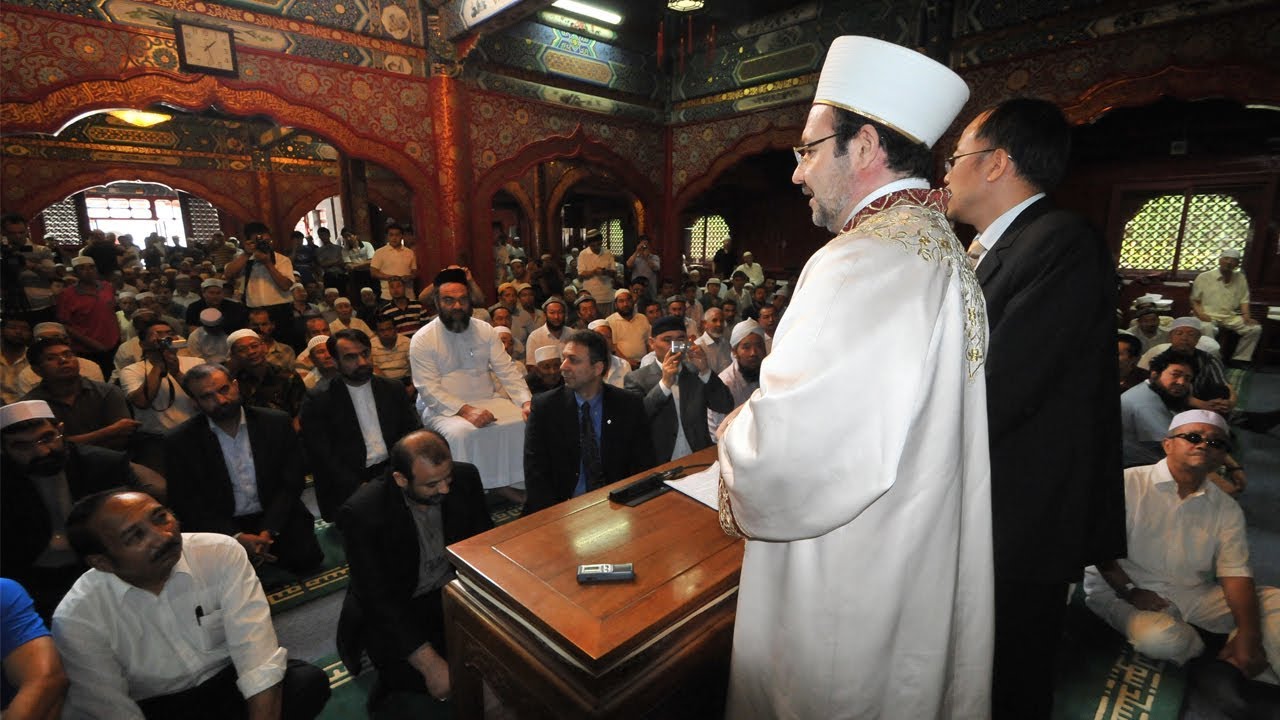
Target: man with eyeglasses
point(43, 475)
point(1187, 564)
point(845, 472)
point(1049, 283)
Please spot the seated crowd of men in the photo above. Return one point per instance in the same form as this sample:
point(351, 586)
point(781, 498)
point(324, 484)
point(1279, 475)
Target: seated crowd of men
point(156, 444)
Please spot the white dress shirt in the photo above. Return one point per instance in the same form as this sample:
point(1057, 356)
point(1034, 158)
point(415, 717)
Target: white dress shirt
point(991, 235)
point(237, 453)
point(375, 448)
point(119, 643)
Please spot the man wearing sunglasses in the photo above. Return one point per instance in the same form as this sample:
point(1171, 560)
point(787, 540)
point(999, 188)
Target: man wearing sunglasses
point(1188, 562)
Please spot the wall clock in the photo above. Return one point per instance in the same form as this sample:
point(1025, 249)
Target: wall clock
point(203, 49)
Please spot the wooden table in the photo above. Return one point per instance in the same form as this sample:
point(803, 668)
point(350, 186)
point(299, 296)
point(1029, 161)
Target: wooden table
point(548, 647)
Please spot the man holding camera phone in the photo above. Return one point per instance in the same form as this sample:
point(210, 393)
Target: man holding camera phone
point(268, 275)
point(678, 390)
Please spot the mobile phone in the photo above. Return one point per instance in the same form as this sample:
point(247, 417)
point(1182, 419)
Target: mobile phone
point(605, 572)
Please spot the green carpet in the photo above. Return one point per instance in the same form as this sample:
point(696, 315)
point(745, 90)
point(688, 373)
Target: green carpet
point(289, 591)
point(1100, 676)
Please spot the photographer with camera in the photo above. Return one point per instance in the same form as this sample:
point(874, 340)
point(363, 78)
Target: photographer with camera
point(644, 263)
point(678, 390)
point(268, 275)
point(154, 384)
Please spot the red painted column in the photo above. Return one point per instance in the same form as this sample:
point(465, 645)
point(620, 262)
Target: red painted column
point(449, 240)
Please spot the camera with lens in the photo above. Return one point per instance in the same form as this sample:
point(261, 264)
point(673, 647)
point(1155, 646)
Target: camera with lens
point(679, 346)
point(173, 342)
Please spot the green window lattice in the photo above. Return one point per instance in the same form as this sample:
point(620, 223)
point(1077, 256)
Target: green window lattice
point(707, 236)
point(1160, 236)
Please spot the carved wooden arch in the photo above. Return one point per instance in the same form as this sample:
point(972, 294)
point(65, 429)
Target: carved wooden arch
point(307, 202)
point(42, 198)
point(576, 146)
point(1244, 83)
point(775, 138)
point(51, 112)
point(517, 191)
point(389, 205)
point(573, 177)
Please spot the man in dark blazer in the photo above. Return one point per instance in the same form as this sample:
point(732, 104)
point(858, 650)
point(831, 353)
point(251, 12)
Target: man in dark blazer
point(393, 605)
point(41, 475)
point(237, 470)
point(1052, 410)
point(555, 468)
point(676, 434)
point(342, 454)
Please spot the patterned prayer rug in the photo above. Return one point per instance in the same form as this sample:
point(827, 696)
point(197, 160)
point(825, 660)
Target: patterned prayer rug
point(286, 590)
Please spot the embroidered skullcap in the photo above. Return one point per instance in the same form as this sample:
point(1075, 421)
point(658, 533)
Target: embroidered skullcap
point(211, 316)
point(553, 300)
point(597, 323)
point(1208, 417)
point(212, 282)
point(584, 298)
point(892, 85)
point(1188, 321)
point(667, 323)
point(521, 287)
point(1231, 253)
point(317, 340)
point(505, 285)
point(23, 411)
point(502, 329)
point(241, 334)
point(79, 260)
point(48, 328)
point(546, 352)
point(743, 329)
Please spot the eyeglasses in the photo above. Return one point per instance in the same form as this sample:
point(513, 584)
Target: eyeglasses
point(1196, 438)
point(42, 441)
point(950, 162)
point(802, 151)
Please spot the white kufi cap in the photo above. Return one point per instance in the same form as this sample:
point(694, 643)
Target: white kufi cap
point(317, 340)
point(1207, 417)
point(546, 352)
point(241, 334)
point(903, 89)
point(597, 323)
point(23, 411)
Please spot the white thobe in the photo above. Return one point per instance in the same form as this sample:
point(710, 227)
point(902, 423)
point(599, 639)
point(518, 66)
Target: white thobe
point(453, 369)
point(863, 486)
point(740, 386)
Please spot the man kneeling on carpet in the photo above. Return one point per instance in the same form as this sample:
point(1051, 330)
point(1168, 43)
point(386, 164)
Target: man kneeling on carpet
point(395, 530)
point(168, 624)
point(1188, 560)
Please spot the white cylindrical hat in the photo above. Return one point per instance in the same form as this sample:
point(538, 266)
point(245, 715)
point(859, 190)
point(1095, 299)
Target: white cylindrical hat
point(546, 352)
point(1207, 417)
point(1187, 321)
point(597, 323)
point(502, 330)
point(317, 340)
point(900, 88)
point(241, 334)
point(25, 410)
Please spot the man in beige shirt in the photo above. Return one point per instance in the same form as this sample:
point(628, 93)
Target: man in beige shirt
point(1220, 298)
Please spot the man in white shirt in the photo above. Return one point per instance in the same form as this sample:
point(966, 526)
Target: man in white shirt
point(1220, 298)
point(596, 269)
point(455, 359)
point(552, 332)
point(715, 342)
point(154, 384)
point(346, 319)
point(268, 276)
point(754, 270)
point(394, 261)
point(644, 263)
point(167, 624)
point(743, 376)
point(616, 375)
point(630, 328)
point(1188, 560)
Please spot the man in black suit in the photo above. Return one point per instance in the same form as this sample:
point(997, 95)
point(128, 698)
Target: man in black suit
point(1056, 484)
point(343, 452)
point(678, 431)
point(393, 606)
point(612, 439)
point(237, 470)
point(43, 474)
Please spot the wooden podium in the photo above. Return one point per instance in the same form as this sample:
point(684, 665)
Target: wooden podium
point(517, 618)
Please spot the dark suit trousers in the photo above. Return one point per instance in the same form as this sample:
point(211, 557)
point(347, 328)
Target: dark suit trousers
point(1029, 623)
point(297, 549)
point(305, 686)
point(395, 673)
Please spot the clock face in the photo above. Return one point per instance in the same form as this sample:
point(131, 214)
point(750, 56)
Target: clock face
point(205, 49)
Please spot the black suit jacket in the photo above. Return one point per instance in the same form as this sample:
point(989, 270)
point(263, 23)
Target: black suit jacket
point(24, 518)
point(200, 486)
point(552, 454)
point(1053, 411)
point(696, 397)
point(335, 447)
point(381, 541)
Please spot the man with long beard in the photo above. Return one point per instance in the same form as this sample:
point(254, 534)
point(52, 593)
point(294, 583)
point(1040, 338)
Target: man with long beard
point(551, 334)
point(1147, 408)
point(451, 360)
point(630, 329)
point(743, 376)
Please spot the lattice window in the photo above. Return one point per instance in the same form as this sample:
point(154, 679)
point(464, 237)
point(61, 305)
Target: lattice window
point(202, 218)
point(1184, 232)
point(706, 237)
point(62, 221)
point(611, 231)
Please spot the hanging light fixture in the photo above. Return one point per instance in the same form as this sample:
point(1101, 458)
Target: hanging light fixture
point(685, 5)
point(139, 118)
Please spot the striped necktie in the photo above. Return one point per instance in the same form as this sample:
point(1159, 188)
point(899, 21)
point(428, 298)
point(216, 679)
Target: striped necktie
point(975, 251)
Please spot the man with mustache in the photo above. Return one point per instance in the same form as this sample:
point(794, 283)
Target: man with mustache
point(1147, 408)
point(44, 474)
point(743, 376)
point(457, 363)
point(395, 529)
point(237, 470)
point(350, 424)
point(169, 624)
point(630, 329)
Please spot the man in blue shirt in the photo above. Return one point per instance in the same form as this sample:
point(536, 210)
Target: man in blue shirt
point(34, 683)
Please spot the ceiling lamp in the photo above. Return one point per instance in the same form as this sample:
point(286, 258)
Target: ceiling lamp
point(140, 118)
point(590, 11)
point(685, 5)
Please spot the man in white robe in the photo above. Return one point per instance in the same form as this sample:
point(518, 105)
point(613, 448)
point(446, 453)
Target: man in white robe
point(742, 377)
point(451, 359)
point(863, 486)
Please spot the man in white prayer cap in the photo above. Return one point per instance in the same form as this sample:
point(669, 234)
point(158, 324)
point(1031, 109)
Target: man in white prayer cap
point(616, 375)
point(1157, 598)
point(544, 373)
point(742, 377)
point(845, 472)
point(1220, 298)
